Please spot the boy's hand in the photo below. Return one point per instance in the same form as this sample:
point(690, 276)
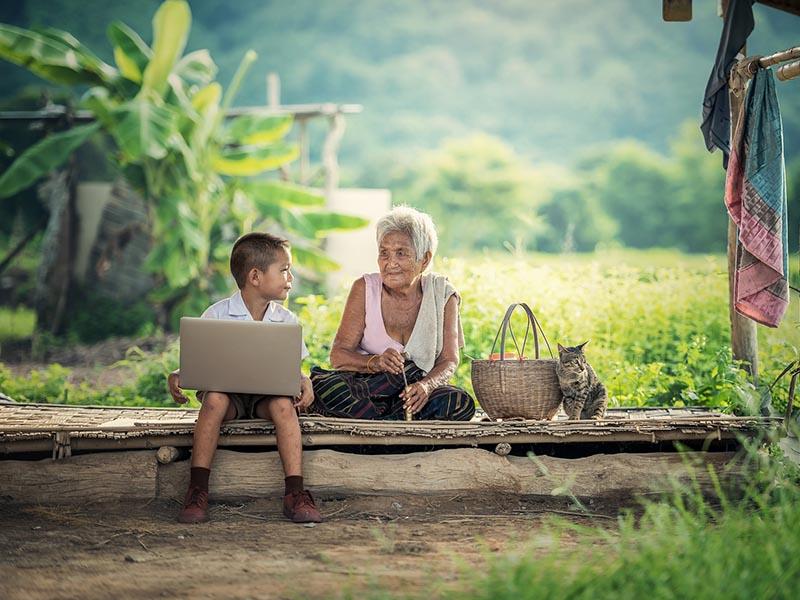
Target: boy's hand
point(174, 384)
point(306, 397)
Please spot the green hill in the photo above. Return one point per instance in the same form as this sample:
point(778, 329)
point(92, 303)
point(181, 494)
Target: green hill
point(550, 78)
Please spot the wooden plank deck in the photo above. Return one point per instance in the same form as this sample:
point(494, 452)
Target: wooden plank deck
point(67, 428)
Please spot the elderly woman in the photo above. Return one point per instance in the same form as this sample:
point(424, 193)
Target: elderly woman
point(398, 342)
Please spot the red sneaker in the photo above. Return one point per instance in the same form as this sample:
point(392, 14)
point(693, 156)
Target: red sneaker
point(300, 508)
point(195, 506)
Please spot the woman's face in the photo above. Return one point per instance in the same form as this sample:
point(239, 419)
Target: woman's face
point(398, 262)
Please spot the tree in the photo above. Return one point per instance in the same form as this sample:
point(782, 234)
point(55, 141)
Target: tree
point(479, 192)
point(198, 173)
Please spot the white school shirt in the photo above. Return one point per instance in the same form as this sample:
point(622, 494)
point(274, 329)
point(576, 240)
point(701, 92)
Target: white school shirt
point(234, 308)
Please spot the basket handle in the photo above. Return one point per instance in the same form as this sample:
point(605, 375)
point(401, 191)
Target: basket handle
point(532, 323)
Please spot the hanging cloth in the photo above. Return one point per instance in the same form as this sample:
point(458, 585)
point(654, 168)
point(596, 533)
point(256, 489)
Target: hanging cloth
point(716, 125)
point(755, 195)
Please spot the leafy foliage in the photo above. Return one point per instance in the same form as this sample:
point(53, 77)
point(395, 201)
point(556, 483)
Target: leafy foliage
point(166, 116)
point(684, 545)
point(657, 324)
point(485, 196)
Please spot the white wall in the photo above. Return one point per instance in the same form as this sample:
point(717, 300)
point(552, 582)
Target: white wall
point(356, 251)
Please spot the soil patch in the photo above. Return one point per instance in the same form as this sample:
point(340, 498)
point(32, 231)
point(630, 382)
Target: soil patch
point(405, 544)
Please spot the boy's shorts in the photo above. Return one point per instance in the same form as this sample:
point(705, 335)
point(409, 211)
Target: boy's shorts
point(243, 404)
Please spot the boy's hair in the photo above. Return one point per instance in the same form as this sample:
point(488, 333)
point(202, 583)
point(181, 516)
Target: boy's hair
point(254, 250)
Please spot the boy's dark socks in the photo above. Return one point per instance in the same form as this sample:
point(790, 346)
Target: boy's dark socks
point(294, 483)
point(198, 477)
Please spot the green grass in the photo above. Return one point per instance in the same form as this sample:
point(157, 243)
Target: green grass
point(733, 546)
point(657, 321)
point(685, 547)
point(16, 323)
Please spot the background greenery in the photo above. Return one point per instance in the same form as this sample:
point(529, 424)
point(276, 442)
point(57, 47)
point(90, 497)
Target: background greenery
point(657, 321)
point(572, 124)
point(521, 127)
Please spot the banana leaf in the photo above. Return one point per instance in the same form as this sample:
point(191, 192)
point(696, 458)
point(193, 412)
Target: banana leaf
point(313, 259)
point(252, 160)
point(206, 103)
point(171, 25)
point(197, 67)
point(289, 218)
point(131, 53)
point(53, 55)
point(41, 158)
point(143, 129)
point(324, 222)
point(278, 192)
point(254, 130)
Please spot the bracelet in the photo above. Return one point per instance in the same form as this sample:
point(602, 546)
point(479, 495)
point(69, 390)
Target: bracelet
point(369, 362)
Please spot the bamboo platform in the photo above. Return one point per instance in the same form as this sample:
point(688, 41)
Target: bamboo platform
point(66, 428)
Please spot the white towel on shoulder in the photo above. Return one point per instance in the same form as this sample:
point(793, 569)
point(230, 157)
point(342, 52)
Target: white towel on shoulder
point(427, 337)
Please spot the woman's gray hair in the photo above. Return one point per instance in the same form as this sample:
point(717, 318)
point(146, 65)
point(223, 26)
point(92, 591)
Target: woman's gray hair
point(415, 224)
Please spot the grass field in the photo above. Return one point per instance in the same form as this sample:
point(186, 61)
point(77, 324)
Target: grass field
point(657, 322)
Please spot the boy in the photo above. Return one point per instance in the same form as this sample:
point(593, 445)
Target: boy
point(261, 265)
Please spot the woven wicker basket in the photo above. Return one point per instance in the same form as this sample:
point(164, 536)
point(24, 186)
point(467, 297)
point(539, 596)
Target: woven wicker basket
point(526, 388)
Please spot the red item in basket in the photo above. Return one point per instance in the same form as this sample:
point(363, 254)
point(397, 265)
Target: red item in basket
point(506, 356)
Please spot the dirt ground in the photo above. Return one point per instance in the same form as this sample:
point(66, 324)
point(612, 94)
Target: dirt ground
point(406, 545)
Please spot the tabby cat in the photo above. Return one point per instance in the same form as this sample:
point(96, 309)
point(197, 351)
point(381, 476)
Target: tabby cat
point(584, 396)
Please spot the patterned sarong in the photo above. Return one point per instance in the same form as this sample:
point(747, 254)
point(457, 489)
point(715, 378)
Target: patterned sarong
point(348, 394)
point(755, 194)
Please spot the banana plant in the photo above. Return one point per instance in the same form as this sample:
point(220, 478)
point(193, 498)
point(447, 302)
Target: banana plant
point(202, 176)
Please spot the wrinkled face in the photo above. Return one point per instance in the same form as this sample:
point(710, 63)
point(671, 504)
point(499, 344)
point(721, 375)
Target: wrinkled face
point(397, 260)
point(276, 281)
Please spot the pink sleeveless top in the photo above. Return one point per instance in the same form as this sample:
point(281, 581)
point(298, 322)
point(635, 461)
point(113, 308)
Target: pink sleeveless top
point(375, 339)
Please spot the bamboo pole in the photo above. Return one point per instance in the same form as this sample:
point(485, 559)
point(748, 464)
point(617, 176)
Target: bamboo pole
point(779, 57)
point(744, 338)
point(790, 71)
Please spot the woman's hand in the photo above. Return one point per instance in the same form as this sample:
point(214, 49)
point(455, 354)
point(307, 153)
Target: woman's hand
point(391, 361)
point(174, 385)
point(306, 397)
point(416, 396)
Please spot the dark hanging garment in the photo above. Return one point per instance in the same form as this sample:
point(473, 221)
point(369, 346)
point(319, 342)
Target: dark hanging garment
point(716, 125)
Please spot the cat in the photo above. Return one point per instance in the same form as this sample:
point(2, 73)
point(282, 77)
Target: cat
point(584, 396)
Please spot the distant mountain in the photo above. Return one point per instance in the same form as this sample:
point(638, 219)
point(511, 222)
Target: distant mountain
point(550, 77)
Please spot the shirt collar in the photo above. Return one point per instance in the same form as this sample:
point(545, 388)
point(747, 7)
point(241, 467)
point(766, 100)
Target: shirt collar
point(237, 307)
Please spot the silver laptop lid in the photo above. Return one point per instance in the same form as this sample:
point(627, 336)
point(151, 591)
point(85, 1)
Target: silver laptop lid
point(247, 357)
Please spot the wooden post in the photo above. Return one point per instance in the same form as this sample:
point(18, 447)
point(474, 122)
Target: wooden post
point(305, 159)
point(744, 338)
point(274, 102)
point(273, 90)
point(330, 149)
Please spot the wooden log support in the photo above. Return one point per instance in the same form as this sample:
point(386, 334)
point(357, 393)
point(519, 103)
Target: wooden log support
point(502, 449)
point(79, 479)
point(169, 454)
point(138, 475)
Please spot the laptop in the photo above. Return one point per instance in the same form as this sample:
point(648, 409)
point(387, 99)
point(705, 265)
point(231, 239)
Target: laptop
point(246, 357)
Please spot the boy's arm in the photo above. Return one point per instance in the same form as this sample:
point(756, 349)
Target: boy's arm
point(174, 384)
point(306, 397)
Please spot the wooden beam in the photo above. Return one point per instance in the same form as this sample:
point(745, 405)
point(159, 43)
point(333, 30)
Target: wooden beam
point(676, 10)
point(789, 6)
